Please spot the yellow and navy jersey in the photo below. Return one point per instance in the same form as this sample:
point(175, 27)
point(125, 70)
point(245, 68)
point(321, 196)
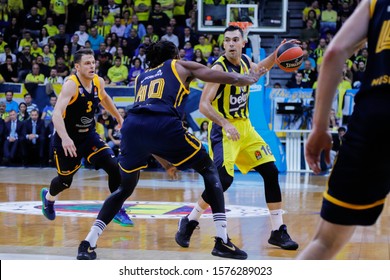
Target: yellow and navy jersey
point(80, 112)
point(231, 102)
point(377, 74)
point(160, 90)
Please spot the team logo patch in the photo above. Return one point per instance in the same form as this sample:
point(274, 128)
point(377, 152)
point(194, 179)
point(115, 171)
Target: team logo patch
point(135, 209)
point(258, 155)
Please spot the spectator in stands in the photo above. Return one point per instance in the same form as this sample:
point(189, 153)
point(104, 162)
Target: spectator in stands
point(363, 56)
point(125, 60)
point(313, 6)
point(24, 63)
point(150, 33)
point(4, 16)
point(159, 20)
point(41, 10)
point(43, 38)
point(202, 133)
point(23, 114)
point(142, 9)
point(214, 56)
point(33, 139)
point(179, 12)
point(297, 82)
point(52, 80)
point(7, 52)
point(191, 20)
point(25, 41)
point(29, 102)
point(306, 56)
point(47, 112)
point(59, 11)
point(113, 8)
point(138, 26)
point(94, 11)
point(83, 35)
point(310, 34)
point(12, 133)
point(204, 46)
point(10, 104)
point(189, 56)
point(337, 140)
point(62, 38)
point(142, 56)
point(133, 41)
point(309, 73)
point(198, 57)
point(95, 39)
point(33, 22)
point(16, 7)
point(74, 45)
point(127, 6)
point(169, 36)
point(9, 70)
point(35, 49)
point(110, 45)
point(118, 73)
point(135, 70)
point(187, 36)
point(359, 74)
point(52, 29)
point(77, 9)
point(313, 17)
point(2, 43)
point(3, 114)
point(106, 120)
point(11, 34)
point(328, 19)
point(118, 27)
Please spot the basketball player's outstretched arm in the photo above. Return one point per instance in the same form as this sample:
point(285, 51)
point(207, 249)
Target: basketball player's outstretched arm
point(67, 92)
point(190, 69)
point(353, 32)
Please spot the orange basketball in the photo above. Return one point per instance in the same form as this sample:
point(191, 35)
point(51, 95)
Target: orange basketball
point(289, 57)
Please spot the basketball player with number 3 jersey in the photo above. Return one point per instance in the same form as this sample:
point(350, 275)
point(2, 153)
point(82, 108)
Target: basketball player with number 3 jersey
point(76, 137)
point(234, 141)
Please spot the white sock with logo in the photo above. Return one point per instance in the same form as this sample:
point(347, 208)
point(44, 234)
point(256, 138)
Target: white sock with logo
point(221, 225)
point(196, 213)
point(95, 232)
point(276, 218)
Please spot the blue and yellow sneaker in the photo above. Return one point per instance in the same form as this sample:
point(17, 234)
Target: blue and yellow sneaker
point(123, 219)
point(47, 206)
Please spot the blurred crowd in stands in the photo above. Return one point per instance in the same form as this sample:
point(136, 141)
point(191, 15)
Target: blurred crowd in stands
point(38, 39)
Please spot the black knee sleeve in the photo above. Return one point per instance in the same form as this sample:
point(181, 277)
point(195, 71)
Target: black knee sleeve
point(226, 179)
point(213, 193)
point(270, 174)
point(110, 165)
point(60, 183)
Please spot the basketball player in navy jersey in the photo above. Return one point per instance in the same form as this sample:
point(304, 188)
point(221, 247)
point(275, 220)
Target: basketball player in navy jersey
point(76, 137)
point(360, 178)
point(154, 126)
point(234, 140)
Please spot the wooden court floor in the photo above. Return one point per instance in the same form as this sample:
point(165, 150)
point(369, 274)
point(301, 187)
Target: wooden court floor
point(156, 206)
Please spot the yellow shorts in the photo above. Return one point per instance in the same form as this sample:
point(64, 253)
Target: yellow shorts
point(248, 152)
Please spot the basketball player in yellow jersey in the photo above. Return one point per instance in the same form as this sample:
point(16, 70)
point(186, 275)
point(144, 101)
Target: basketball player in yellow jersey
point(233, 140)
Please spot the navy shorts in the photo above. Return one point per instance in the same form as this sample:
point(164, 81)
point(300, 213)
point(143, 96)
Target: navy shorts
point(360, 178)
point(91, 147)
point(163, 135)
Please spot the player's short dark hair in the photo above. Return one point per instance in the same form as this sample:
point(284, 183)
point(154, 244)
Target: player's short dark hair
point(159, 52)
point(234, 28)
point(80, 53)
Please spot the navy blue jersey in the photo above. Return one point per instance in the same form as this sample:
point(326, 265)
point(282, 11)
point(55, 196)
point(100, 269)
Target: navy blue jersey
point(376, 76)
point(160, 90)
point(80, 112)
